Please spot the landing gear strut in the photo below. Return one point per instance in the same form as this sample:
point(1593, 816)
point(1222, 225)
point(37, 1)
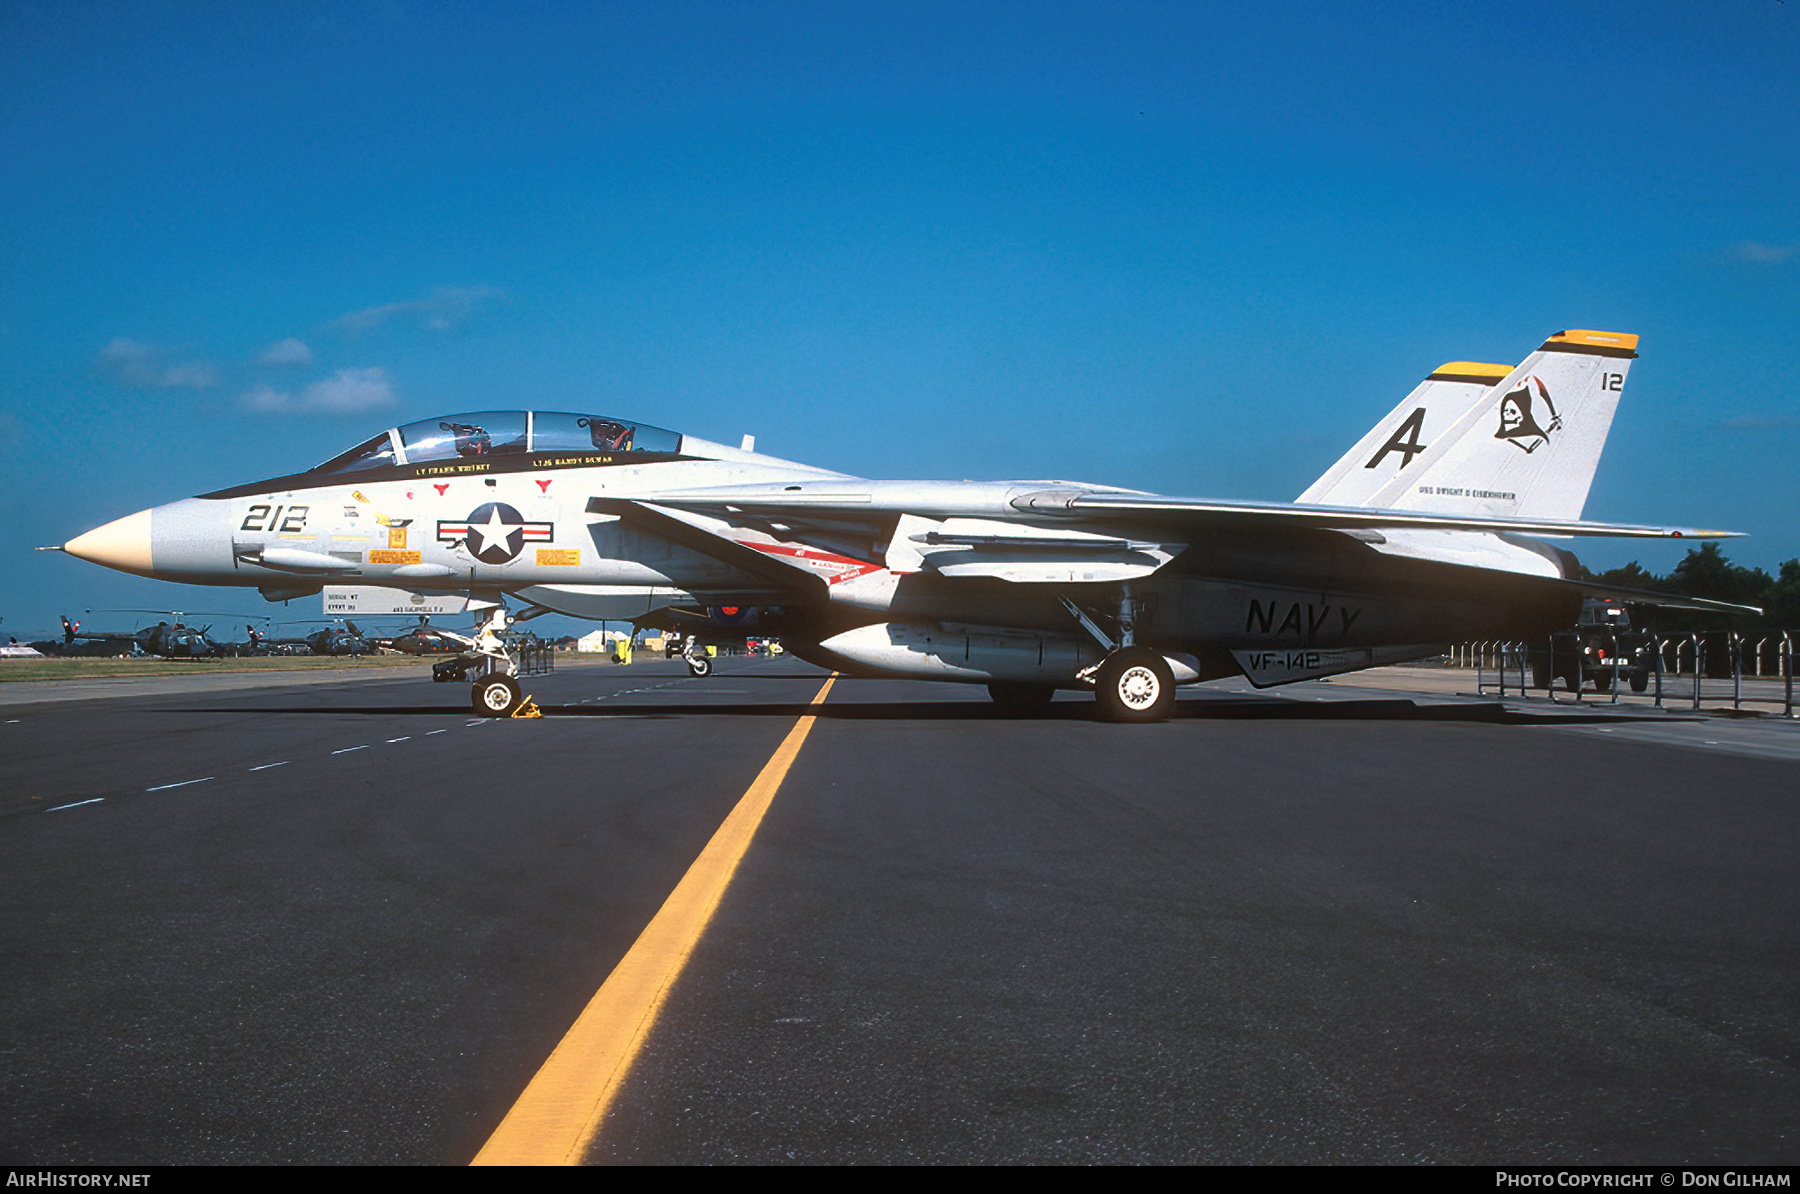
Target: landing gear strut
point(1132, 683)
point(495, 693)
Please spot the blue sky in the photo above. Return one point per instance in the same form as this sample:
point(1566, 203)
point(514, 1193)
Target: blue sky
point(1191, 248)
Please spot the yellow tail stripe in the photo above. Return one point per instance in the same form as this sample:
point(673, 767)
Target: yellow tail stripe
point(557, 1117)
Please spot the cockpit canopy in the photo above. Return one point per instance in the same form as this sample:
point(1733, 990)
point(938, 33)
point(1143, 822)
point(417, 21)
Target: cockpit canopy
point(491, 433)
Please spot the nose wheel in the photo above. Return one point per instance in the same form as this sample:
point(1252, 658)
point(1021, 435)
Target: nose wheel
point(1135, 684)
point(699, 665)
point(496, 695)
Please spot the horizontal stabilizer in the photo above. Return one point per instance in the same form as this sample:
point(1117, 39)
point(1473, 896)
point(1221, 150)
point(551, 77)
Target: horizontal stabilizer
point(1665, 600)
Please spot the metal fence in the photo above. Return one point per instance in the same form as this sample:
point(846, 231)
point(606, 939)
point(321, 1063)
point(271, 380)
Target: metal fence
point(535, 658)
point(1680, 667)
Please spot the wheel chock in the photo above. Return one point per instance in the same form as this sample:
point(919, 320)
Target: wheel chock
point(527, 708)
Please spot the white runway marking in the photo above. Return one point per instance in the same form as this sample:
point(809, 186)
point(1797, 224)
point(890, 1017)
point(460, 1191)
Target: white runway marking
point(184, 783)
point(391, 741)
point(348, 749)
point(78, 804)
point(266, 766)
point(429, 733)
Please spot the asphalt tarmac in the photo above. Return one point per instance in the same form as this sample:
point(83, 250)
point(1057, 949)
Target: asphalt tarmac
point(347, 922)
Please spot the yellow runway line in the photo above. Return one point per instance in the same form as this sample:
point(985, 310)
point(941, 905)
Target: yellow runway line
point(555, 1120)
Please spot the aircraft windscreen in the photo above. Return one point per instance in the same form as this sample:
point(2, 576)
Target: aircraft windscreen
point(484, 434)
point(376, 453)
point(464, 437)
point(559, 431)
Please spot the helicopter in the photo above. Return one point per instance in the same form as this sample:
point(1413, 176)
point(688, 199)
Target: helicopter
point(169, 640)
point(426, 639)
point(332, 640)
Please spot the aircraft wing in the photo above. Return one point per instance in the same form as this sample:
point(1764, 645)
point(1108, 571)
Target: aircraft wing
point(805, 538)
point(1199, 511)
point(1115, 506)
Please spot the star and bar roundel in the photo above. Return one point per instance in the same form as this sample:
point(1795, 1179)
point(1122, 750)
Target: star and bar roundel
point(495, 532)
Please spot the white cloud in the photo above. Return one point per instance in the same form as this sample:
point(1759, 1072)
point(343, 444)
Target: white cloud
point(1762, 254)
point(345, 392)
point(287, 352)
point(349, 390)
point(368, 317)
point(267, 399)
point(445, 308)
point(138, 364)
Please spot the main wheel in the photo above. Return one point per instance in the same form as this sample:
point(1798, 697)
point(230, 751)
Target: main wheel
point(1013, 699)
point(1135, 684)
point(495, 695)
point(1640, 681)
point(699, 665)
point(1603, 681)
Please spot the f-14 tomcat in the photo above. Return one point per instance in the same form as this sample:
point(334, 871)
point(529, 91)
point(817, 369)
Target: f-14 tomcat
point(1420, 536)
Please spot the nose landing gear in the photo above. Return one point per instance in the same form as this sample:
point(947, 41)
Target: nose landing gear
point(496, 695)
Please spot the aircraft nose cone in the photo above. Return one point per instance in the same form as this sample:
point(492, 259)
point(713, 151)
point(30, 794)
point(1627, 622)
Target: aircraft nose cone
point(123, 543)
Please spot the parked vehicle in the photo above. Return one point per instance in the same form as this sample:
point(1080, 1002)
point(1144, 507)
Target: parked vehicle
point(1600, 647)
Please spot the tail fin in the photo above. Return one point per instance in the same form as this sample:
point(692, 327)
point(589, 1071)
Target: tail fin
point(1420, 420)
point(1529, 447)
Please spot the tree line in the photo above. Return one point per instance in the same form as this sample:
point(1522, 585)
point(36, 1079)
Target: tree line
point(1706, 572)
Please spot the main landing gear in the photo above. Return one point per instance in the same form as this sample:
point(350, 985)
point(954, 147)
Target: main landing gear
point(1131, 683)
point(1135, 684)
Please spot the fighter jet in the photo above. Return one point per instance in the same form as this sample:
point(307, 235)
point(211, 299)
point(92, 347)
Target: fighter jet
point(1423, 534)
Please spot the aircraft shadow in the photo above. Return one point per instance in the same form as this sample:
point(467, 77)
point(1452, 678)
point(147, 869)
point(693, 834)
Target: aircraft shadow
point(1215, 709)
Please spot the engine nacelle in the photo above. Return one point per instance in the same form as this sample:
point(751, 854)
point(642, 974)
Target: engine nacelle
point(972, 654)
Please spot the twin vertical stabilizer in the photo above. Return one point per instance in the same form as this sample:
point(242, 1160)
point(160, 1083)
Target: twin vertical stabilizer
point(1524, 445)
